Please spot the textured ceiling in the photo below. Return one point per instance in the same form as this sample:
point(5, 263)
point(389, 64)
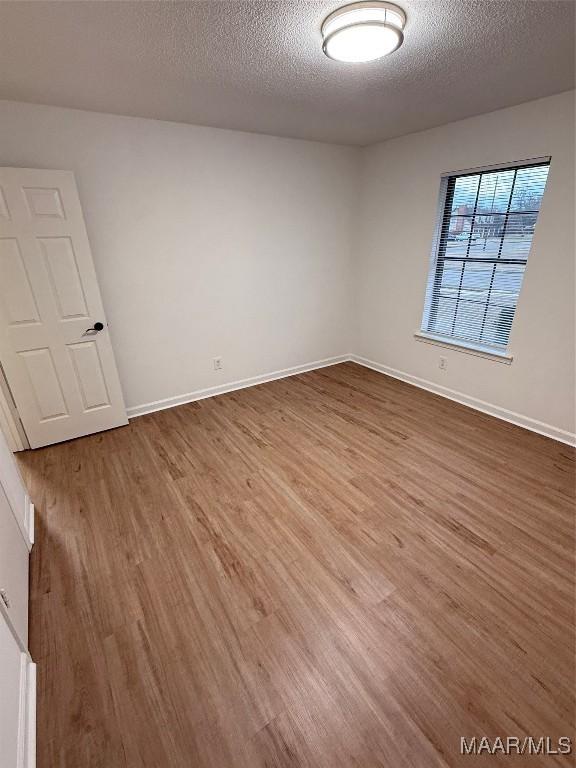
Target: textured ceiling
point(258, 66)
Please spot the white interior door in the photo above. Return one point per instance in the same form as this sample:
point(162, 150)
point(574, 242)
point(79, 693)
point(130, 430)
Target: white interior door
point(60, 369)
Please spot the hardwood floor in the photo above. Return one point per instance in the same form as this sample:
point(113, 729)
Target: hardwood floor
point(331, 570)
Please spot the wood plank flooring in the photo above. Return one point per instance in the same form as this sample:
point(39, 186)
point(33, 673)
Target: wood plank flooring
point(333, 570)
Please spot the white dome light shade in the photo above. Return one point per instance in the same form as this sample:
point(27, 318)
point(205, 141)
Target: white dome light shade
point(363, 31)
point(362, 42)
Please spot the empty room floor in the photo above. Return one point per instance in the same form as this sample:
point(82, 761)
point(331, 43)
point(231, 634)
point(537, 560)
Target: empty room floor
point(334, 569)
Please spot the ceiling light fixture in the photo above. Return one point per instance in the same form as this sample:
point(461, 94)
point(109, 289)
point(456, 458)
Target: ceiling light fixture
point(363, 31)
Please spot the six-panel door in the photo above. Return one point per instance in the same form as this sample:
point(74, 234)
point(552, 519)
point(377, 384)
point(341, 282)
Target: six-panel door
point(62, 376)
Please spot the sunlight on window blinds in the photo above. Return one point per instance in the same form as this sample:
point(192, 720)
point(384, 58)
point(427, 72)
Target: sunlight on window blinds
point(482, 246)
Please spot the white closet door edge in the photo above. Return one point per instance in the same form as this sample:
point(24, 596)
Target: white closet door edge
point(30, 727)
point(27, 718)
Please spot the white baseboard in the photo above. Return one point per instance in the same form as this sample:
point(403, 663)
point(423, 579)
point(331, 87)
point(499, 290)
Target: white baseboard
point(472, 402)
point(201, 394)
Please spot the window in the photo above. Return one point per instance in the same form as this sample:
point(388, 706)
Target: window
point(484, 234)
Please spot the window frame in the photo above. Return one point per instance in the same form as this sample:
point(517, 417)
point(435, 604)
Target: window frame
point(437, 260)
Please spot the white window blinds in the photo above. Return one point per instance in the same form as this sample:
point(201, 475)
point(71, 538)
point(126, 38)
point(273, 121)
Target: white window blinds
point(484, 233)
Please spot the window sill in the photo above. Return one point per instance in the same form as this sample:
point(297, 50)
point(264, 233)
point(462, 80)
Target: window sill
point(460, 346)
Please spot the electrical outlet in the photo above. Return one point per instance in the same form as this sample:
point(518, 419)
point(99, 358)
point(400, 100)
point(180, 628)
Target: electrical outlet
point(443, 364)
point(217, 363)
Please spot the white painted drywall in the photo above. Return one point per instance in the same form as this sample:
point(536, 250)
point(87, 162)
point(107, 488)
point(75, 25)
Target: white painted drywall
point(267, 251)
point(206, 242)
point(398, 209)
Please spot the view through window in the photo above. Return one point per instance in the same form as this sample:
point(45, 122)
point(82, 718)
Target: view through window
point(484, 238)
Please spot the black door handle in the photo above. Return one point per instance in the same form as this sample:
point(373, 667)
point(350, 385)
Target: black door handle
point(95, 328)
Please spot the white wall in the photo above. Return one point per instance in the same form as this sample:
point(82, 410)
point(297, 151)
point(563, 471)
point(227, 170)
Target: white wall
point(270, 253)
point(206, 242)
point(399, 204)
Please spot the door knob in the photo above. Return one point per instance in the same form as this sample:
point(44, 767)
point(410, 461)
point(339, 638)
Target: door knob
point(95, 328)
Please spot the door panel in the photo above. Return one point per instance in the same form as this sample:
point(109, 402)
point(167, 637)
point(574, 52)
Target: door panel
point(44, 202)
point(15, 287)
point(3, 207)
point(45, 384)
point(64, 381)
point(89, 375)
point(64, 277)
